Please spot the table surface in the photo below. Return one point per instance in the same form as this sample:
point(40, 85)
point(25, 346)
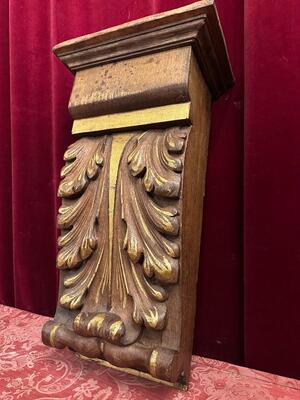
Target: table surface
point(30, 370)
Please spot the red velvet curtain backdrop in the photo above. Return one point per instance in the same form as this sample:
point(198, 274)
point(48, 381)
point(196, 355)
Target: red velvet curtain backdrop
point(252, 235)
point(272, 186)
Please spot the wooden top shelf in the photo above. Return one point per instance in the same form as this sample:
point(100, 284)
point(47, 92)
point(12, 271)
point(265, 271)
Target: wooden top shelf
point(196, 25)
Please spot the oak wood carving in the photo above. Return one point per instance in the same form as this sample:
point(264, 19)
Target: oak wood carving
point(132, 190)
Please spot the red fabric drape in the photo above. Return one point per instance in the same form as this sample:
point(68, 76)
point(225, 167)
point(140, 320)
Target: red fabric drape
point(272, 186)
point(252, 233)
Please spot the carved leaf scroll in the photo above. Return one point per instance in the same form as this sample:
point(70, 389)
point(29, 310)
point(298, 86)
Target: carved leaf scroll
point(81, 245)
point(145, 242)
point(148, 249)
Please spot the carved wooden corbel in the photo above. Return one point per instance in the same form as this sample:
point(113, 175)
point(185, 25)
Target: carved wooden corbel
point(132, 190)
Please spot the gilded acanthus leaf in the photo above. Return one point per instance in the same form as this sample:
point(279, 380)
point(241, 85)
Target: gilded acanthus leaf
point(156, 157)
point(81, 244)
point(83, 163)
point(148, 256)
point(80, 241)
point(152, 226)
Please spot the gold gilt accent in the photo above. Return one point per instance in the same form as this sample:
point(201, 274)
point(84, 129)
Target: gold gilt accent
point(96, 322)
point(81, 244)
point(114, 330)
point(130, 119)
point(104, 325)
point(53, 334)
point(152, 318)
point(147, 250)
point(153, 362)
point(76, 322)
point(93, 326)
point(118, 143)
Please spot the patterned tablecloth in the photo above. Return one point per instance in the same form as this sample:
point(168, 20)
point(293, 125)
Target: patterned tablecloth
point(30, 370)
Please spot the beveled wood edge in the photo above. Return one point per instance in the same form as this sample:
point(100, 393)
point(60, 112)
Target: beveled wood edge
point(196, 25)
point(133, 119)
point(133, 372)
point(122, 30)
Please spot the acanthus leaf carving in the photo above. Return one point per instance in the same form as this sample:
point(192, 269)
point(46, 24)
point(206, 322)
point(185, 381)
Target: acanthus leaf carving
point(152, 223)
point(81, 244)
point(83, 162)
point(148, 249)
point(145, 241)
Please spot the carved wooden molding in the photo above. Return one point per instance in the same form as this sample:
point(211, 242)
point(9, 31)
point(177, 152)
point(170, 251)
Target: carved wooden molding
point(132, 191)
point(195, 25)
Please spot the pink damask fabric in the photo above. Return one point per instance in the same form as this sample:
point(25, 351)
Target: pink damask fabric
point(30, 370)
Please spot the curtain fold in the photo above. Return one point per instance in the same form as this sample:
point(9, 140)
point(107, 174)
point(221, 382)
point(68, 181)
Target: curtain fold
point(219, 322)
point(250, 216)
point(6, 252)
point(272, 187)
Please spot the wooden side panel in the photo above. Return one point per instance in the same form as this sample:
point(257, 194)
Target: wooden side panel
point(193, 195)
